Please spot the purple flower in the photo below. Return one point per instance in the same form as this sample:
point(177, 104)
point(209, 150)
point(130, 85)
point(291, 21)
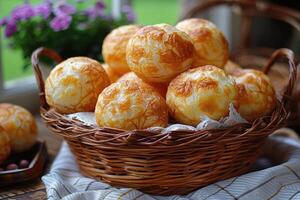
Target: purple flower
point(22, 12)
point(43, 10)
point(11, 28)
point(96, 11)
point(61, 22)
point(130, 17)
point(93, 13)
point(128, 12)
point(64, 9)
point(3, 21)
point(100, 5)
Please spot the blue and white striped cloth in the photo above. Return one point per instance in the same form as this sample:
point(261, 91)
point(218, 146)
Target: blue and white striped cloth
point(281, 182)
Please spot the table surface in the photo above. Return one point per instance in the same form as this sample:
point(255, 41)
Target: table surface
point(36, 189)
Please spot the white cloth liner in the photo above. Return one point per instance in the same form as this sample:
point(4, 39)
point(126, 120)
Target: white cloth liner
point(206, 123)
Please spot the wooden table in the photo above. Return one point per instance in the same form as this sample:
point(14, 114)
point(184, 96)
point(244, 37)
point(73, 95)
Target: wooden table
point(36, 189)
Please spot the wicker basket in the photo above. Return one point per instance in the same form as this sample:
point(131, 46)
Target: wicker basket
point(169, 163)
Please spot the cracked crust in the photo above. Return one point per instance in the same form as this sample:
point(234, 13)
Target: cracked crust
point(210, 44)
point(161, 88)
point(114, 47)
point(256, 94)
point(160, 52)
point(20, 126)
point(198, 92)
point(129, 105)
point(74, 85)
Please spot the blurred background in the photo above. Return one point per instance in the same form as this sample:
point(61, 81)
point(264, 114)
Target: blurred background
point(86, 22)
point(17, 84)
point(147, 12)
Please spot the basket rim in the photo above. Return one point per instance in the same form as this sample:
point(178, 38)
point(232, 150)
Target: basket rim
point(74, 129)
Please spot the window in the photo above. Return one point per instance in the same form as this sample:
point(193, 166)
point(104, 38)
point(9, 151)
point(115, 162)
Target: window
point(12, 62)
point(17, 85)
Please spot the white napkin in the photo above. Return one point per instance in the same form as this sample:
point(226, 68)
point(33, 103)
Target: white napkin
point(64, 181)
point(88, 118)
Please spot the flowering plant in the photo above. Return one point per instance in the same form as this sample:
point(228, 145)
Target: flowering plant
point(63, 27)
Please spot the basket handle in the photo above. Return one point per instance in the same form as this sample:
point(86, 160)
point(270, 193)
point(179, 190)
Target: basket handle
point(42, 51)
point(284, 53)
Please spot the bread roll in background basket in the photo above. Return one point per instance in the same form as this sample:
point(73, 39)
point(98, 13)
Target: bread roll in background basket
point(165, 163)
point(278, 74)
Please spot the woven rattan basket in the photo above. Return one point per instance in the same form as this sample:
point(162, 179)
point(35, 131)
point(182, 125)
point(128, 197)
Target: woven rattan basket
point(169, 163)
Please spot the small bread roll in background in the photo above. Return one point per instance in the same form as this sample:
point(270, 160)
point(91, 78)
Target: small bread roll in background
point(74, 85)
point(5, 148)
point(203, 91)
point(130, 105)
point(210, 44)
point(114, 47)
point(159, 87)
point(256, 94)
point(233, 68)
point(158, 53)
point(20, 126)
point(112, 75)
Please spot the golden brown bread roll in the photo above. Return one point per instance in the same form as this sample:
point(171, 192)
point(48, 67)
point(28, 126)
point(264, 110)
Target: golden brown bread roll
point(5, 148)
point(256, 94)
point(210, 44)
point(159, 87)
point(129, 105)
point(112, 75)
point(199, 92)
point(20, 126)
point(160, 52)
point(114, 47)
point(74, 85)
point(233, 68)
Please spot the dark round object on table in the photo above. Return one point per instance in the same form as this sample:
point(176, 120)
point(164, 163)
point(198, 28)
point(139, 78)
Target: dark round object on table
point(261, 163)
point(11, 166)
point(23, 164)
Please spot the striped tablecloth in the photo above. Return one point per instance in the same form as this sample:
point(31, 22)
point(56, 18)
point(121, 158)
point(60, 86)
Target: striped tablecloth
point(280, 182)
